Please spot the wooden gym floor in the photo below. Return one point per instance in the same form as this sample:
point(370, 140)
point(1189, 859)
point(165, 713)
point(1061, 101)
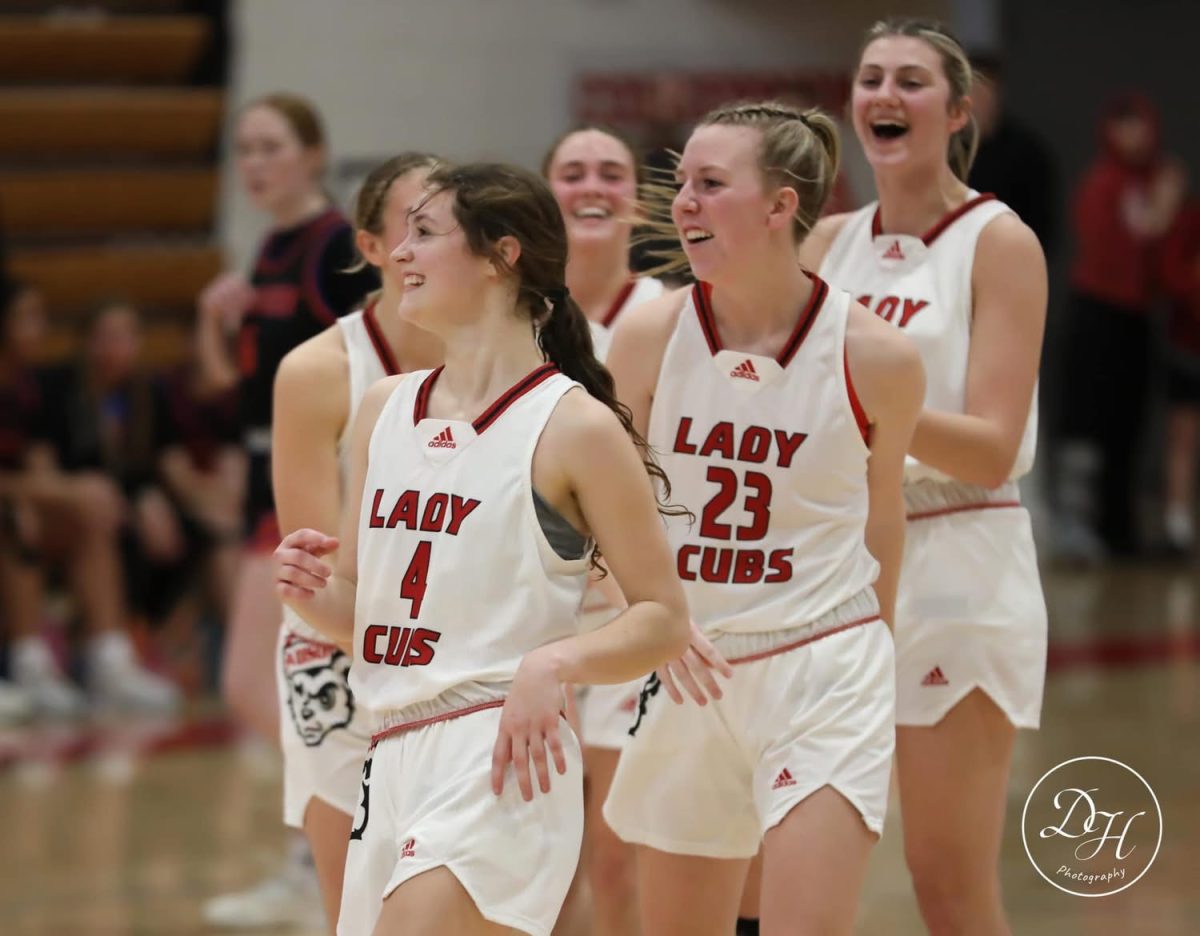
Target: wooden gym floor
point(125, 828)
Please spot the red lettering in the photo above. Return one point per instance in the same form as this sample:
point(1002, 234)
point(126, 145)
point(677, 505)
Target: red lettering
point(748, 570)
point(435, 513)
point(405, 511)
point(720, 439)
point(397, 644)
point(865, 300)
point(911, 308)
point(758, 505)
point(887, 307)
point(376, 516)
point(756, 445)
point(460, 509)
point(781, 566)
point(715, 563)
point(370, 637)
point(788, 442)
point(710, 527)
point(681, 562)
point(420, 651)
point(413, 584)
point(682, 445)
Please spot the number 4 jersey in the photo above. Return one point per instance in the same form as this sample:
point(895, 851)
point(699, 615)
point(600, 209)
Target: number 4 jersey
point(456, 580)
point(769, 454)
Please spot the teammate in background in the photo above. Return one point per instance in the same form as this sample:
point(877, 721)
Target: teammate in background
point(299, 286)
point(479, 489)
point(317, 392)
point(965, 280)
point(595, 175)
point(784, 410)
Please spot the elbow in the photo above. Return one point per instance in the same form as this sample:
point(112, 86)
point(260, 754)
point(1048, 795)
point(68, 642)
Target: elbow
point(996, 472)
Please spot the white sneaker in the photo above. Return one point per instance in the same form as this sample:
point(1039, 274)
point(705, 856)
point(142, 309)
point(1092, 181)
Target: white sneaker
point(1180, 528)
point(116, 679)
point(36, 673)
point(290, 898)
point(15, 704)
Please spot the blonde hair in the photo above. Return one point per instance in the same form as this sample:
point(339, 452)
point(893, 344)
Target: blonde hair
point(372, 194)
point(964, 144)
point(799, 148)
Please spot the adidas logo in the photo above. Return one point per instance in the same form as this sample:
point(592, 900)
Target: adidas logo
point(894, 252)
point(409, 849)
point(935, 677)
point(745, 370)
point(784, 779)
point(443, 440)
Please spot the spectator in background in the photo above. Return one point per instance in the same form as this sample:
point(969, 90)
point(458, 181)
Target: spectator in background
point(1012, 162)
point(60, 515)
point(1123, 206)
point(1181, 275)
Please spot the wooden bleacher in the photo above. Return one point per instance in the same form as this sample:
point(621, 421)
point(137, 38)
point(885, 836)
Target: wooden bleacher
point(108, 178)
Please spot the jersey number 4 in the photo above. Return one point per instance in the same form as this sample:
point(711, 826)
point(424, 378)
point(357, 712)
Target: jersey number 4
point(757, 504)
point(412, 586)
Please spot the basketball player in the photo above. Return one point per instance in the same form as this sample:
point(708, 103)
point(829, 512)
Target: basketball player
point(594, 175)
point(299, 286)
point(479, 488)
point(784, 410)
point(965, 279)
point(317, 391)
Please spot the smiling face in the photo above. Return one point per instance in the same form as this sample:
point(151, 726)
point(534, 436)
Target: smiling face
point(722, 206)
point(442, 280)
point(276, 168)
point(402, 196)
point(902, 104)
point(594, 180)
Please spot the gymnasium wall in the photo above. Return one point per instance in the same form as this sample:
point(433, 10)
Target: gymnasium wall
point(475, 78)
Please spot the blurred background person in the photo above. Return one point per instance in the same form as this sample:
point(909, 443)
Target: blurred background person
point(1124, 204)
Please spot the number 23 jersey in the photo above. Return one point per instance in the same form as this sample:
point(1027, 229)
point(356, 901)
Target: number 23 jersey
point(770, 455)
point(456, 580)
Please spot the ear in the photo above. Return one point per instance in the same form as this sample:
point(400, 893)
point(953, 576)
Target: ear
point(509, 249)
point(960, 114)
point(370, 247)
point(784, 204)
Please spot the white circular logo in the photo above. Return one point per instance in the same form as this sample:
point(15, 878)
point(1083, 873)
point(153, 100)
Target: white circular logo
point(1092, 826)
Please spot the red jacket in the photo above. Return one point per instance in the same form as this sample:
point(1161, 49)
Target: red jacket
point(1181, 279)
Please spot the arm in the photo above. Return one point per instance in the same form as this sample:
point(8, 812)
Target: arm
point(322, 594)
point(980, 445)
point(890, 382)
point(220, 306)
point(814, 247)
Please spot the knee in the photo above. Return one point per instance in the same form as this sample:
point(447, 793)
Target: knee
point(99, 507)
point(611, 868)
point(953, 893)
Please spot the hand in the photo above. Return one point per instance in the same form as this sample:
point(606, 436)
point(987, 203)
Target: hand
point(529, 723)
point(99, 501)
point(694, 669)
point(158, 527)
point(226, 298)
point(299, 571)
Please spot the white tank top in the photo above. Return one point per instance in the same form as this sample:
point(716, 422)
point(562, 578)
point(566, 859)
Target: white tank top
point(370, 358)
point(456, 580)
point(769, 454)
point(922, 285)
point(639, 290)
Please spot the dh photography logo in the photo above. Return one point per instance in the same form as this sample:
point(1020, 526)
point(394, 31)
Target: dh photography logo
point(1092, 826)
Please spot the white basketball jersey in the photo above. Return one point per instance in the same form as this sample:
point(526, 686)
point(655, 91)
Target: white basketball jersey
point(636, 291)
point(456, 580)
point(370, 358)
point(922, 285)
point(769, 454)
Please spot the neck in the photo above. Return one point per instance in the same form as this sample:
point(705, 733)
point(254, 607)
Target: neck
point(914, 200)
point(765, 299)
point(303, 207)
point(485, 358)
point(596, 274)
point(414, 348)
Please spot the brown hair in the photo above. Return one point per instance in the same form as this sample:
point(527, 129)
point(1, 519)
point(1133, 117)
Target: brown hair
point(373, 193)
point(299, 112)
point(492, 201)
point(635, 153)
point(799, 148)
point(964, 144)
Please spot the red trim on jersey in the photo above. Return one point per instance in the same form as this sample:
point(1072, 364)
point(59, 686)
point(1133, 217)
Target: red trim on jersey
point(936, 231)
point(775, 651)
point(270, 266)
point(618, 304)
point(943, 511)
point(860, 415)
point(496, 410)
point(702, 299)
point(382, 348)
point(434, 719)
point(805, 322)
